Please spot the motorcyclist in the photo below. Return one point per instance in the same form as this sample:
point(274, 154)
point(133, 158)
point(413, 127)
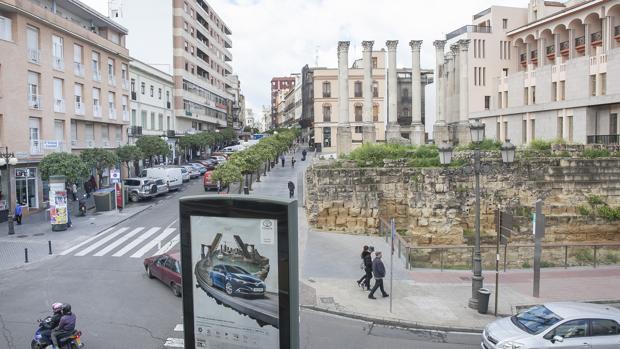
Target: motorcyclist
point(46, 329)
point(65, 327)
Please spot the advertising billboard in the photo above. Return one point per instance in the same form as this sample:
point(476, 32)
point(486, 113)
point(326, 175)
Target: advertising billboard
point(239, 262)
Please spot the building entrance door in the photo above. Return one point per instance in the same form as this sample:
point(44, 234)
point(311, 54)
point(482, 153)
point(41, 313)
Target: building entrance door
point(26, 187)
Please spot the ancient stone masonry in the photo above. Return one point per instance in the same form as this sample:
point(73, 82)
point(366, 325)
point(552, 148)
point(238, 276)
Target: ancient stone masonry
point(435, 206)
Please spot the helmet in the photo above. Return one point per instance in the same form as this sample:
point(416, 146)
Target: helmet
point(66, 308)
point(57, 307)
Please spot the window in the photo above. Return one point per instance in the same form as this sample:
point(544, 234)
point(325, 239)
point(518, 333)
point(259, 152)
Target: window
point(160, 120)
point(96, 102)
point(133, 85)
point(159, 93)
point(111, 74)
point(406, 111)
point(105, 135)
point(133, 117)
point(59, 130)
point(570, 329)
point(143, 119)
point(533, 89)
point(152, 120)
point(358, 129)
point(499, 100)
point(374, 62)
point(505, 23)
point(32, 44)
point(562, 90)
point(327, 90)
point(79, 103)
point(570, 128)
point(59, 101)
point(89, 132)
point(505, 133)
point(475, 76)
point(358, 112)
point(603, 77)
point(613, 124)
point(375, 89)
point(112, 105)
point(560, 128)
point(327, 113)
point(6, 29)
point(532, 129)
point(142, 87)
point(327, 137)
point(74, 135)
point(604, 327)
point(592, 85)
point(118, 133)
point(358, 88)
point(526, 96)
point(96, 67)
point(524, 132)
point(167, 96)
point(152, 90)
point(34, 99)
point(484, 76)
point(124, 105)
point(487, 102)
point(554, 91)
point(57, 53)
point(405, 93)
point(124, 74)
point(375, 113)
point(78, 66)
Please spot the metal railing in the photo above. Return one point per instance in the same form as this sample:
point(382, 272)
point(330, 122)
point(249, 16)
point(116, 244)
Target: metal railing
point(534, 54)
point(35, 101)
point(523, 58)
point(97, 110)
point(596, 37)
point(580, 41)
point(78, 69)
point(564, 46)
point(58, 63)
point(468, 29)
point(35, 147)
point(34, 55)
point(79, 108)
point(59, 105)
point(551, 50)
point(604, 139)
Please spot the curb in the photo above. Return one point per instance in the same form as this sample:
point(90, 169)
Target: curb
point(394, 322)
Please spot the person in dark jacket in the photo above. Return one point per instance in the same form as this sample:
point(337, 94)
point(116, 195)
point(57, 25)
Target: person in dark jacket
point(46, 331)
point(291, 189)
point(282, 159)
point(378, 270)
point(65, 327)
point(364, 281)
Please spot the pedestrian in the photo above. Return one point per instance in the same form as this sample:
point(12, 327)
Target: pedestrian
point(291, 189)
point(282, 159)
point(378, 270)
point(293, 161)
point(74, 191)
point(303, 155)
point(18, 213)
point(364, 281)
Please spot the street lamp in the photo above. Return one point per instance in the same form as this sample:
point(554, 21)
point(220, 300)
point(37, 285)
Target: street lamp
point(476, 129)
point(9, 160)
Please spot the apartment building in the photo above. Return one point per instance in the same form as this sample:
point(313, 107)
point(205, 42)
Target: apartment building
point(342, 124)
point(552, 81)
point(279, 85)
point(151, 94)
point(290, 105)
point(193, 45)
point(64, 86)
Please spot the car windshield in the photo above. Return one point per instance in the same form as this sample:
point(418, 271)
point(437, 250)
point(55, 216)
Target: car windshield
point(536, 319)
point(236, 270)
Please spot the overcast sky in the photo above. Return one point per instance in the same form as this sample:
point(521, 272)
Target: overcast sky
point(278, 37)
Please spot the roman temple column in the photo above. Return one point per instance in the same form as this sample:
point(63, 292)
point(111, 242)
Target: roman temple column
point(440, 129)
point(368, 129)
point(344, 127)
point(393, 128)
point(418, 136)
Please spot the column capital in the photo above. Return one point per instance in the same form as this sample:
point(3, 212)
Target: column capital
point(464, 44)
point(455, 49)
point(391, 44)
point(439, 44)
point(415, 45)
point(367, 44)
point(343, 46)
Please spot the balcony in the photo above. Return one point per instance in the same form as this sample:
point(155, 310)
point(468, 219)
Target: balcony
point(617, 33)
point(34, 101)
point(34, 55)
point(35, 147)
point(58, 63)
point(580, 44)
point(125, 115)
point(603, 139)
point(468, 29)
point(596, 38)
point(96, 110)
point(53, 145)
point(79, 108)
point(534, 56)
point(78, 69)
point(523, 58)
point(90, 143)
point(59, 105)
point(111, 80)
point(97, 75)
point(551, 52)
point(112, 111)
point(125, 84)
point(564, 48)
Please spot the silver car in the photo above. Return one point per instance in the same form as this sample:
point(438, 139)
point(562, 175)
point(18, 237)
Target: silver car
point(556, 325)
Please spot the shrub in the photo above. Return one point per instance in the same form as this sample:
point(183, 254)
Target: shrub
point(584, 210)
point(540, 145)
point(584, 256)
point(596, 153)
point(611, 258)
point(610, 214)
point(372, 155)
point(546, 264)
point(486, 144)
point(525, 265)
point(595, 200)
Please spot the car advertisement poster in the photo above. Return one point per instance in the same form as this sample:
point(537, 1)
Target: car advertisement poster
point(58, 203)
point(235, 271)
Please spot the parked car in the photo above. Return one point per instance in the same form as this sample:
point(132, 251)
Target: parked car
point(200, 167)
point(220, 159)
point(162, 187)
point(172, 175)
point(226, 156)
point(140, 188)
point(208, 183)
point(166, 268)
point(209, 164)
point(556, 325)
point(193, 172)
point(235, 281)
point(184, 174)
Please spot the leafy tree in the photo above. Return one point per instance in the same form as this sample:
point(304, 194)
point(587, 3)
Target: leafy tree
point(69, 165)
point(129, 153)
point(99, 159)
point(228, 134)
point(227, 173)
point(152, 146)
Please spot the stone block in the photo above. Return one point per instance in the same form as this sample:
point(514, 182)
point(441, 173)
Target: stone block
point(330, 221)
point(355, 211)
point(333, 211)
point(343, 211)
point(338, 203)
point(422, 222)
point(371, 222)
point(341, 220)
point(427, 212)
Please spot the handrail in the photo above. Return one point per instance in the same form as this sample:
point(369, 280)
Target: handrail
point(551, 49)
point(580, 41)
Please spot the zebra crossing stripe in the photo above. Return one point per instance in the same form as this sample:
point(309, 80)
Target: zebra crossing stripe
point(66, 252)
point(119, 241)
point(99, 243)
point(136, 242)
point(169, 245)
point(153, 243)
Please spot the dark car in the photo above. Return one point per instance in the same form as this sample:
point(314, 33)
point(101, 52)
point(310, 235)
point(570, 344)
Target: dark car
point(167, 268)
point(236, 281)
point(209, 164)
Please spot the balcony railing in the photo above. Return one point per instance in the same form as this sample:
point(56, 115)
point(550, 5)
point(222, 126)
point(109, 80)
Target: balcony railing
point(35, 147)
point(111, 80)
point(125, 115)
point(523, 58)
point(596, 38)
point(96, 110)
point(79, 108)
point(78, 69)
point(97, 75)
point(534, 54)
point(90, 143)
point(34, 101)
point(58, 63)
point(34, 55)
point(125, 84)
point(59, 105)
point(617, 30)
point(604, 139)
point(112, 111)
point(468, 29)
point(550, 50)
point(580, 41)
point(564, 46)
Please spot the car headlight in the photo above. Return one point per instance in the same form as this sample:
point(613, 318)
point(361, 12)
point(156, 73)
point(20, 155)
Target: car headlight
point(510, 345)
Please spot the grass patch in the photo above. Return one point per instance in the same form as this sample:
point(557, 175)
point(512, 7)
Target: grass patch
point(540, 145)
point(596, 153)
point(584, 256)
point(372, 155)
point(608, 213)
point(595, 200)
point(584, 210)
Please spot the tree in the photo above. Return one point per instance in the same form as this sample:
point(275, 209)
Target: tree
point(152, 146)
point(129, 153)
point(99, 159)
point(227, 173)
point(69, 165)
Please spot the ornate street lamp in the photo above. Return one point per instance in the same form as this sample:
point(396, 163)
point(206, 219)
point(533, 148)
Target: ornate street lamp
point(476, 128)
point(9, 160)
point(445, 153)
point(508, 152)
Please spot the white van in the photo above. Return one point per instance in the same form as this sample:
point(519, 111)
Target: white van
point(172, 175)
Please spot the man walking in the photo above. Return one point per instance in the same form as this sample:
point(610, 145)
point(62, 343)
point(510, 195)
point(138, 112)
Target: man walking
point(291, 189)
point(293, 161)
point(378, 269)
point(282, 159)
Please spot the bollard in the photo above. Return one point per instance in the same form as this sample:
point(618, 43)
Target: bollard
point(25, 255)
point(49, 245)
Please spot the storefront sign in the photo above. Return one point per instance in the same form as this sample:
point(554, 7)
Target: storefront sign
point(51, 144)
point(240, 278)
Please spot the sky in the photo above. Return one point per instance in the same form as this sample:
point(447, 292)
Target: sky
point(278, 37)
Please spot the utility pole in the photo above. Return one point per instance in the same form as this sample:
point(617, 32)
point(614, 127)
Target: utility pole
point(539, 233)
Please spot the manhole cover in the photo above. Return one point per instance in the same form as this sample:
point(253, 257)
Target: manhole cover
point(465, 278)
point(39, 234)
point(22, 236)
point(327, 300)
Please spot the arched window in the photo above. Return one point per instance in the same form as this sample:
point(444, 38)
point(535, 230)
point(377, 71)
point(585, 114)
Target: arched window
point(358, 89)
point(327, 113)
point(375, 89)
point(375, 112)
point(327, 89)
point(358, 112)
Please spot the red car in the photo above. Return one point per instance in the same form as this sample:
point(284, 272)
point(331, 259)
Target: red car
point(167, 268)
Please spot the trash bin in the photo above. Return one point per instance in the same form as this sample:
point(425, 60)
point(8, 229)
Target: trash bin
point(105, 199)
point(483, 300)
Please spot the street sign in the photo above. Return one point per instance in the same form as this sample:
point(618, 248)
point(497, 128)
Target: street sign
point(115, 175)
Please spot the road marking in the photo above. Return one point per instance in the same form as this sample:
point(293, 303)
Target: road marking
point(115, 244)
point(153, 243)
point(65, 252)
point(101, 242)
point(136, 242)
point(168, 246)
point(178, 328)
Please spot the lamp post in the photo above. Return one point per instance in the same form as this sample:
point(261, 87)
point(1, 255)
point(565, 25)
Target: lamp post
point(9, 160)
point(445, 156)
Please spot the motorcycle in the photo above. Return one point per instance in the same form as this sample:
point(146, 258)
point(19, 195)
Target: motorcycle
point(82, 205)
point(42, 337)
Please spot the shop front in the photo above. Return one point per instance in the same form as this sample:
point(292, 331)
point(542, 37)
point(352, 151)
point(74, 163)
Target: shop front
point(27, 186)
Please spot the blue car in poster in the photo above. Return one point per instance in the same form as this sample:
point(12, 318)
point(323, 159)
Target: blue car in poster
point(236, 281)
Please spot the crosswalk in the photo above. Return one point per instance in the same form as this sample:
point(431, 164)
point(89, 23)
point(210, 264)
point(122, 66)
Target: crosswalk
point(131, 242)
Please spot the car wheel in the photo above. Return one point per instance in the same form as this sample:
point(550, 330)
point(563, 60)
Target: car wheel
point(148, 272)
point(229, 288)
point(176, 289)
point(134, 197)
